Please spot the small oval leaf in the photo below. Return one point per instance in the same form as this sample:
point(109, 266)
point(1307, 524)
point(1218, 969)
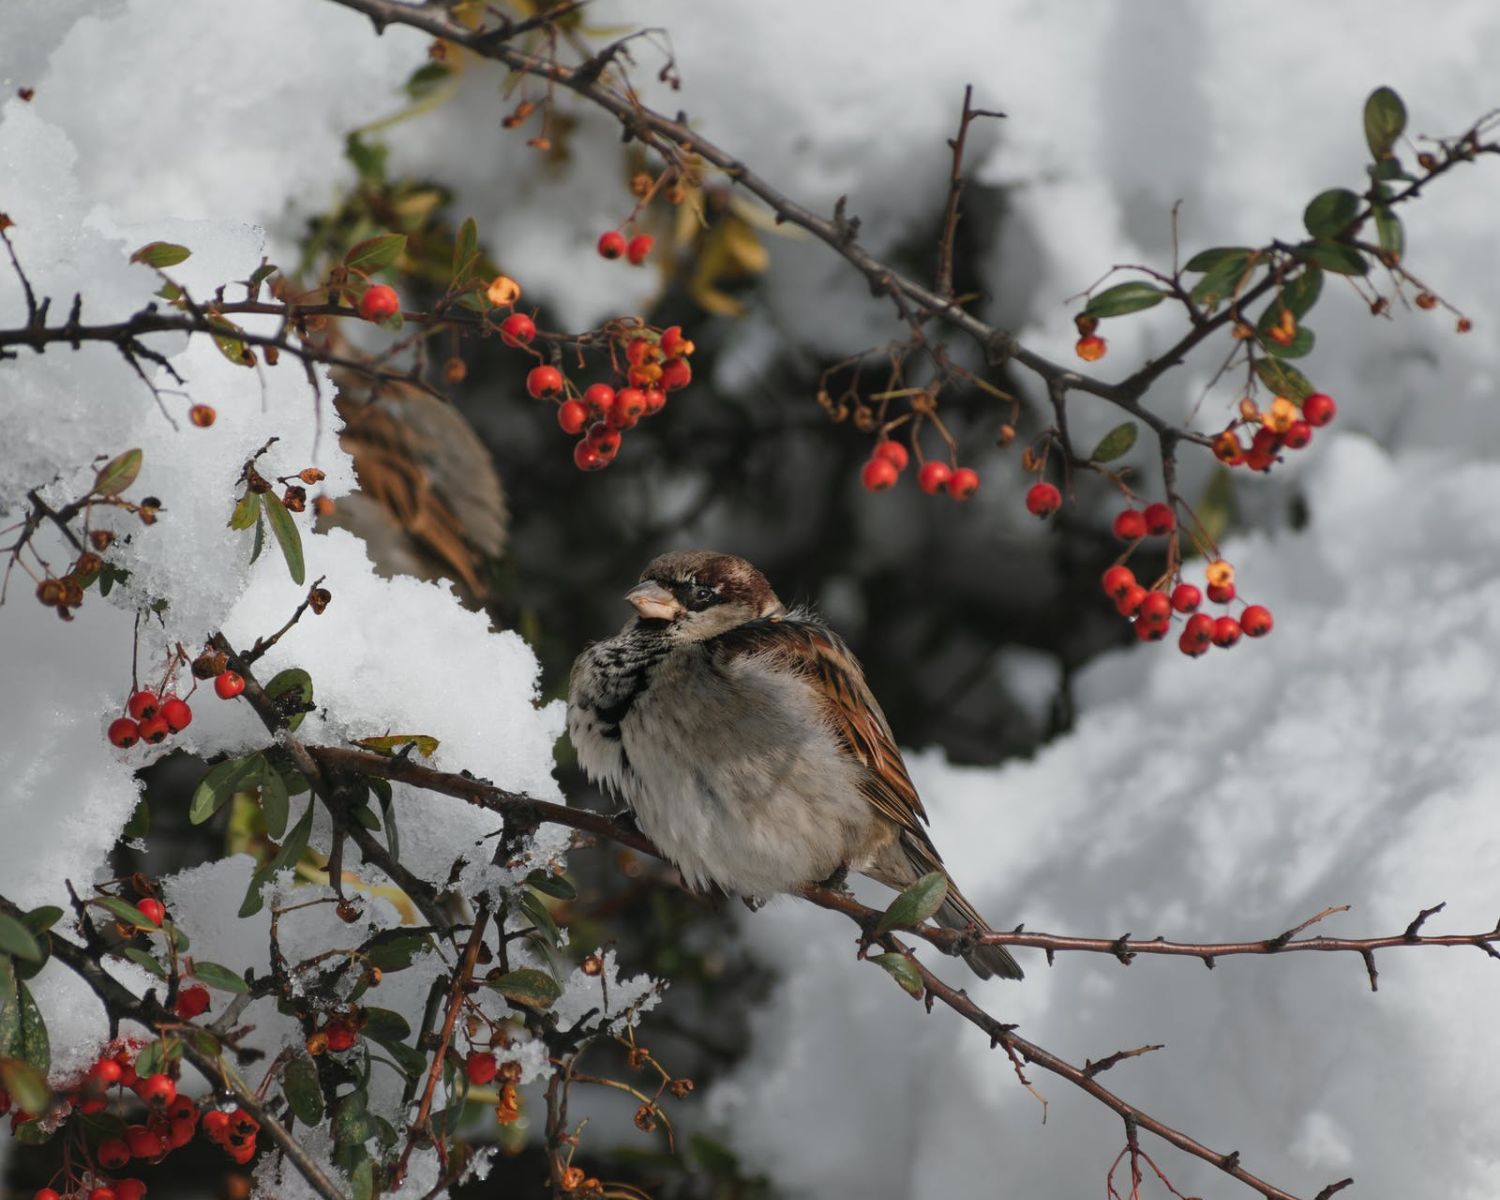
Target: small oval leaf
point(293, 690)
point(246, 511)
point(215, 976)
point(1334, 256)
point(16, 939)
point(424, 744)
point(1330, 213)
point(222, 782)
point(1124, 298)
point(1116, 443)
point(1385, 118)
point(161, 254)
point(299, 1083)
point(118, 474)
point(374, 254)
point(1389, 232)
point(1207, 260)
point(1283, 379)
point(125, 912)
point(27, 1086)
point(901, 970)
point(914, 905)
point(287, 535)
point(528, 986)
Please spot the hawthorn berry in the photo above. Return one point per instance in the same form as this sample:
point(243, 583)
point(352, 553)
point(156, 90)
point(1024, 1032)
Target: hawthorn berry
point(340, 1035)
point(611, 244)
point(154, 730)
point(630, 407)
point(1090, 348)
point(113, 1153)
point(656, 400)
point(144, 1143)
point(379, 303)
point(544, 382)
point(1318, 409)
point(1155, 609)
point(106, 1071)
point(1130, 600)
point(586, 457)
point(129, 1189)
point(192, 1002)
point(157, 1090)
point(1192, 645)
point(1118, 580)
point(45, 1194)
point(673, 344)
point(1130, 525)
point(1186, 597)
point(229, 685)
point(1221, 593)
point(879, 473)
point(600, 398)
point(202, 415)
point(1226, 632)
point(155, 912)
point(1297, 436)
point(503, 291)
point(215, 1124)
point(572, 416)
point(1043, 499)
point(517, 330)
point(1228, 450)
point(177, 714)
point(1256, 621)
point(893, 452)
point(934, 476)
point(143, 704)
point(1160, 519)
point(639, 248)
point(1151, 631)
point(124, 732)
point(103, 1193)
point(1200, 627)
point(676, 374)
point(963, 483)
point(480, 1067)
point(605, 439)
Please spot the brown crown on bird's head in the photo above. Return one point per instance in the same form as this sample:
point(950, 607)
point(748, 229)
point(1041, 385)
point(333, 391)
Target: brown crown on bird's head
point(700, 594)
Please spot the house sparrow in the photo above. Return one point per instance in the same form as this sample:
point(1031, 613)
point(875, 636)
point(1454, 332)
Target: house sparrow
point(746, 742)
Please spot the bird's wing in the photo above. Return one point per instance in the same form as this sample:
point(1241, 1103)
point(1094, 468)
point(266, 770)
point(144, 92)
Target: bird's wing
point(820, 658)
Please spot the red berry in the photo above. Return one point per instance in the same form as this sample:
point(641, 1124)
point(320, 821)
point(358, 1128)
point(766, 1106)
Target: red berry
point(675, 374)
point(480, 1067)
point(340, 1035)
point(572, 416)
point(155, 730)
point(611, 244)
point(672, 340)
point(143, 704)
point(45, 1194)
point(124, 732)
point(106, 1071)
point(1130, 600)
point(656, 400)
point(1043, 499)
point(963, 483)
point(1155, 609)
point(1151, 631)
point(129, 1189)
point(215, 1124)
point(192, 1002)
point(113, 1153)
point(586, 457)
point(604, 439)
point(1226, 632)
point(202, 415)
point(143, 1143)
point(600, 398)
point(154, 911)
point(176, 714)
point(229, 685)
point(639, 247)
point(1200, 628)
point(103, 1193)
point(1130, 525)
point(1256, 621)
point(1186, 597)
point(879, 474)
point(1117, 581)
point(379, 303)
point(894, 453)
point(1191, 645)
point(630, 405)
point(1221, 593)
point(1297, 436)
point(544, 382)
point(155, 1089)
point(1091, 348)
point(934, 476)
point(1160, 519)
point(517, 330)
point(1319, 409)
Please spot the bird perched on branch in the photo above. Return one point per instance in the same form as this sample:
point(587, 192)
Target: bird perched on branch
point(748, 746)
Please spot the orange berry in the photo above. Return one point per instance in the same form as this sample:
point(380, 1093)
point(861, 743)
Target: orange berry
point(1090, 348)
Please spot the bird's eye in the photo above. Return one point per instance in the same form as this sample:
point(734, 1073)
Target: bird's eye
point(701, 595)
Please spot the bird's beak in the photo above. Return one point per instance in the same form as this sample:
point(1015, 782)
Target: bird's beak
point(653, 601)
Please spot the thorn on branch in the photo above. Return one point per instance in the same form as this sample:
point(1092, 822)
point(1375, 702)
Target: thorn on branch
point(1411, 930)
point(1092, 1068)
point(1332, 1188)
point(1369, 957)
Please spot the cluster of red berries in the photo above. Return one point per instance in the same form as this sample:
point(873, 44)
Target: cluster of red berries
point(891, 458)
point(152, 718)
point(379, 303)
point(612, 245)
point(1152, 609)
point(234, 1131)
point(656, 364)
point(1281, 427)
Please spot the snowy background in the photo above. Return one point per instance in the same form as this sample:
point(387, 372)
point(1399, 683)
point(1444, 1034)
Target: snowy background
point(1346, 760)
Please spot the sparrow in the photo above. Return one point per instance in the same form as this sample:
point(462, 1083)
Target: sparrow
point(748, 746)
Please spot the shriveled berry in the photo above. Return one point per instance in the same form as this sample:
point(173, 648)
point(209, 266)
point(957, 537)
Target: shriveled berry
point(639, 248)
point(1130, 600)
point(878, 474)
point(1256, 621)
point(1186, 597)
point(1318, 409)
point(517, 330)
point(934, 476)
point(675, 374)
point(177, 714)
point(1228, 450)
point(586, 457)
point(1297, 436)
point(1160, 519)
point(143, 704)
point(124, 732)
point(544, 382)
point(503, 291)
point(192, 1002)
point(1118, 580)
point(605, 439)
point(963, 483)
point(572, 416)
point(1156, 609)
point(1226, 632)
point(480, 1067)
point(379, 303)
point(893, 452)
point(152, 909)
point(1130, 525)
point(155, 729)
point(1043, 499)
point(202, 415)
point(1221, 593)
point(1091, 348)
point(611, 244)
point(229, 685)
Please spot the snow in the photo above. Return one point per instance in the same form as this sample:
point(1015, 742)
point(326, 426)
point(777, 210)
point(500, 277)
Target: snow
point(1345, 760)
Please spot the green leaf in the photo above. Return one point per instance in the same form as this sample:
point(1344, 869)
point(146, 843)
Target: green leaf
point(1331, 213)
point(1282, 379)
point(1207, 260)
point(901, 970)
point(382, 790)
point(145, 959)
point(528, 986)
point(1333, 256)
point(299, 1083)
point(465, 248)
point(258, 277)
point(286, 533)
point(424, 743)
point(1301, 293)
point(1124, 298)
point(408, 1061)
point(1299, 347)
point(1385, 118)
point(246, 512)
point(223, 781)
point(1388, 229)
point(260, 537)
point(293, 688)
point(546, 927)
point(290, 852)
point(118, 474)
point(426, 79)
point(161, 254)
point(125, 912)
point(223, 332)
point(376, 253)
point(364, 816)
point(914, 905)
point(39, 920)
point(386, 1027)
point(394, 951)
point(139, 824)
point(158, 1056)
point(27, 1086)
point(1116, 443)
point(368, 158)
point(274, 802)
point(1224, 279)
point(556, 886)
point(33, 1045)
point(222, 978)
point(362, 1179)
point(16, 939)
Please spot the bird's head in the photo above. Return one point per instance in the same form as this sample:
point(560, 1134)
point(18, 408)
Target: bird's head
point(698, 594)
